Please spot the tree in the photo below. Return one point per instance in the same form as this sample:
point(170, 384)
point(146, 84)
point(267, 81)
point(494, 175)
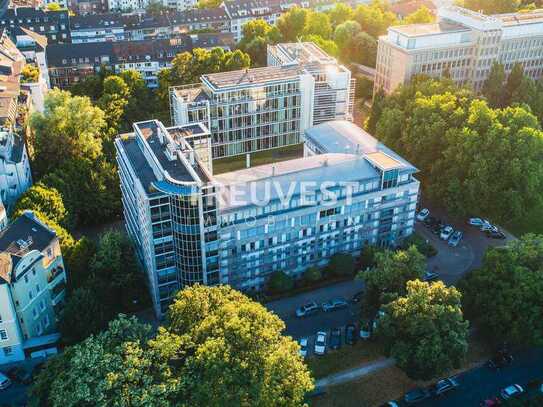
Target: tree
point(317, 24)
point(69, 128)
point(257, 35)
point(492, 6)
point(83, 314)
point(368, 257)
point(388, 278)
point(375, 18)
point(89, 189)
point(363, 49)
point(292, 23)
point(493, 86)
point(344, 33)
point(504, 295)
point(339, 14)
point(312, 274)
point(422, 16)
point(78, 261)
point(30, 73)
point(156, 8)
point(228, 343)
point(53, 7)
point(43, 199)
point(209, 3)
point(425, 331)
point(364, 89)
point(280, 282)
point(514, 80)
point(341, 264)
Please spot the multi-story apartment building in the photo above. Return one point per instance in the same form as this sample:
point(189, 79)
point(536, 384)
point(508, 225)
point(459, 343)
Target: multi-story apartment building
point(32, 289)
point(190, 226)
point(463, 43)
point(55, 25)
point(15, 175)
point(263, 108)
point(70, 63)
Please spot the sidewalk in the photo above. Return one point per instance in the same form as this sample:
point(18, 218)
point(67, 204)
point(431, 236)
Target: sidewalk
point(353, 374)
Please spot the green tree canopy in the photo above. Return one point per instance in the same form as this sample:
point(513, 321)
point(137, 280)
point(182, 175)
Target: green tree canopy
point(493, 86)
point(257, 35)
point(513, 83)
point(44, 199)
point(69, 128)
point(504, 295)
point(422, 16)
point(327, 46)
point(425, 330)
point(375, 18)
point(279, 282)
point(292, 23)
point(317, 24)
point(217, 348)
point(341, 264)
point(388, 278)
point(339, 14)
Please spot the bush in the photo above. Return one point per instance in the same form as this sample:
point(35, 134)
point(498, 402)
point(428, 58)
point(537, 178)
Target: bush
point(341, 264)
point(312, 274)
point(367, 256)
point(280, 282)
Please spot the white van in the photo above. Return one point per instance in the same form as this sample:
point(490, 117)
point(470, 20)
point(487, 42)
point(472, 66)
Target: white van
point(4, 381)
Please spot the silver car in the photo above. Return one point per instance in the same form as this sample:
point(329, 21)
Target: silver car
point(334, 304)
point(455, 238)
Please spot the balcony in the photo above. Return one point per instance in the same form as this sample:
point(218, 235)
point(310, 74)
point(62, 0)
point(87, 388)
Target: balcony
point(55, 275)
point(57, 292)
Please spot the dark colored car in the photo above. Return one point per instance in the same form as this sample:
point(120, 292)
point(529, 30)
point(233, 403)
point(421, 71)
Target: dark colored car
point(335, 338)
point(430, 221)
point(430, 276)
point(495, 234)
point(19, 375)
point(443, 386)
point(416, 396)
point(350, 334)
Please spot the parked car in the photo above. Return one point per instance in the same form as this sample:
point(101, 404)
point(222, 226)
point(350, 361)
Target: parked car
point(358, 296)
point(478, 222)
point(495, 234)
point(512, 391)
point(307, 309)
point(445, 385)
point(20, 375)
point(416, 396)
point(437, 228)
point(335, 338)
point(365, 330)
point(423, 214)
point(4, 381)
point(334, 304)
point(430, 276)
point(446, 232)
point(303, 347)
point(391, 403)
point(430, 221)
point(455, 238)
point(320, 343)
point(488, 227)
point(350, 334)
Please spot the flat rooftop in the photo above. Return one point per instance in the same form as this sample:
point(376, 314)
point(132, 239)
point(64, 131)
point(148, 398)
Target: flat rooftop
point(384, 161)
point(251, 182)
point(342, 136)
point(303, 52)
point(419, 30)
point(253, 76)
point(521, 18)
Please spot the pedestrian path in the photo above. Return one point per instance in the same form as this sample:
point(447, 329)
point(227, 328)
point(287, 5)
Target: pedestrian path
point(354, 373)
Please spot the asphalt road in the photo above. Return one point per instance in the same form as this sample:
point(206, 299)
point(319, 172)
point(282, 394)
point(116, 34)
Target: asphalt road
point(483, 383)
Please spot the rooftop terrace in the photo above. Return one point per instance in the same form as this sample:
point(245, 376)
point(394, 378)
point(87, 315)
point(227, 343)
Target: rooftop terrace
point(252, 76)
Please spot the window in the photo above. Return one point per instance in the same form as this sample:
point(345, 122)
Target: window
point(3, 335)
point(7, 350)
point(42, 305)
point(37, 288)
point(26, 278)
point(30, 294)
point(46, 321)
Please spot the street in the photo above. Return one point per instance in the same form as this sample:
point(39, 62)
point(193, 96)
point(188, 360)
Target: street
point(483, 383)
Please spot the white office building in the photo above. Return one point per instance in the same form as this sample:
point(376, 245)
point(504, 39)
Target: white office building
point(191, 226)
point(264, 108)
point(463, 43)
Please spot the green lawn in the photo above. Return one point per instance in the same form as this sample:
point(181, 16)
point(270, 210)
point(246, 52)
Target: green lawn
point(346, 357)
point(238, 162)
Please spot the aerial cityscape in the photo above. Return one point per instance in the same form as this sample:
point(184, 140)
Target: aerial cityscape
point(271, 203)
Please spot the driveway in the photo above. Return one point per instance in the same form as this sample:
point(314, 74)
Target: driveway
point(307, 327)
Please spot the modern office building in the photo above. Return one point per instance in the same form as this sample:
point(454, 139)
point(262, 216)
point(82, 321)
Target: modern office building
point(190, 226)
point(463, 43)
point(263, 108)
point(32, 289)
